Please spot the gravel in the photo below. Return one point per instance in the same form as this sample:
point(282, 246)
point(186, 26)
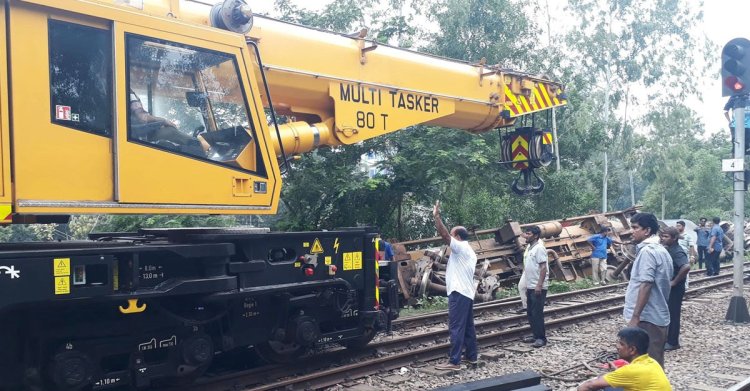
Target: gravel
point(714, 353)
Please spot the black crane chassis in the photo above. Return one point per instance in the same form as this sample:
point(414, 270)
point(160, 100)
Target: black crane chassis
point(159, 305)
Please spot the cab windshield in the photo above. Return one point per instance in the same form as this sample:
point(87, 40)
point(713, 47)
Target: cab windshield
point(188, 101)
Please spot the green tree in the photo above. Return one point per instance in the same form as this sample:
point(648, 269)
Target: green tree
point(625, 46)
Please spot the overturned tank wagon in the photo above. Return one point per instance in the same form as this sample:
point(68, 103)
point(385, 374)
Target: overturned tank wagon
point(421, 268)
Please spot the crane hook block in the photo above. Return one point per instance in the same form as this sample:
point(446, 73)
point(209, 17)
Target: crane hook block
point(133, 307)
point(527, 147)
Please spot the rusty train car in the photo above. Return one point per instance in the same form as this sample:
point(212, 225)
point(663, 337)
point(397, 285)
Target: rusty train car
point(421, 271)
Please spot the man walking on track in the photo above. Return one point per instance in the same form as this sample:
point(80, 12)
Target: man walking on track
point(459, 281)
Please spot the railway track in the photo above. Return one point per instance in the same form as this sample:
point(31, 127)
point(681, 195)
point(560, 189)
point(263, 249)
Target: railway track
point(338, 366)
point(508, 304)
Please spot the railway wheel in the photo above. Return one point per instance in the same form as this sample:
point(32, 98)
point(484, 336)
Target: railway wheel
point(301, 333)
point(71, 370)
point(280, 352)
point(196, 354)
point(622, 277)
point(361, 341)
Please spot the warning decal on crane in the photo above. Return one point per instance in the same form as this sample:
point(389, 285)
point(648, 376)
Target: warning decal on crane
point(363, 111)
point(547, 138)
point(5, 213)
point(520, 152)
point(539, 99)
point(317, 248)
point(61, 266)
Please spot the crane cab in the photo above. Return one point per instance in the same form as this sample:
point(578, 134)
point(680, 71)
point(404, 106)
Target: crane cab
point(108, 110)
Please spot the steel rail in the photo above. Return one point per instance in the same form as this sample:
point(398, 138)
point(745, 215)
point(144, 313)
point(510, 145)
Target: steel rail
point(741, 386)
point(503, 304)
point(506, 322)
point(274, 377)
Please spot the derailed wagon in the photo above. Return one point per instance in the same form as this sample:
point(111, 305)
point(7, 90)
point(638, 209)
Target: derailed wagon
point(421, 271)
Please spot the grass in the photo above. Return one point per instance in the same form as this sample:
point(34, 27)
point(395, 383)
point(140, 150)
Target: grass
point(429, 304)
point(440, 303)
point(561, 286)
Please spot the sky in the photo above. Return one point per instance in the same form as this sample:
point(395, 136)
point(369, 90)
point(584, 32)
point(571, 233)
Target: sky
point(723, 20)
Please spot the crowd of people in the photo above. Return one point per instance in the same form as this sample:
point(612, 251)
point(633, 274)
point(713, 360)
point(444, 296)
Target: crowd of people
point(653, 300)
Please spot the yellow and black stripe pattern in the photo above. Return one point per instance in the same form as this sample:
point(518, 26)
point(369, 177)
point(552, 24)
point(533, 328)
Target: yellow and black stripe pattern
point(6, 214)
point(540, 99)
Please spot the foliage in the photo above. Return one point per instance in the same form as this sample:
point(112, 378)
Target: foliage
point(132, 223)
point(563, 286)
point(425, 305)
point(558, 287)
point(506, 292)
point(498, 30)
point(629, 53)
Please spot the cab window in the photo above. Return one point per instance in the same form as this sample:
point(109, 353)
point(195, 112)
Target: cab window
point(189, 101)
point(80, 67)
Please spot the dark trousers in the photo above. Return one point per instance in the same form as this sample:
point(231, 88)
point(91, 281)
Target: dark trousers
point(535, 313)
point(675, 309)
point(461, 326)
point(657, 335)
point(747, 140)
point(712, 263)
point(702, 254)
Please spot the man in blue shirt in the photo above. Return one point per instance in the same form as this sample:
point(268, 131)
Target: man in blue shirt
point(649, 285)
point(600, 242)
point(733, 101)
point(389, 249)
point(703, 233)
point(715, 244)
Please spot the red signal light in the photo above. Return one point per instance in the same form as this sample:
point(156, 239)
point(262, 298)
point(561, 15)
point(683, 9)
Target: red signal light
point(735, 67)
point(309, 271)
point(734, 83)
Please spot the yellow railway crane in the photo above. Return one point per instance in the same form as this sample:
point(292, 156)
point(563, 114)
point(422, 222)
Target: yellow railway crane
point(162, 106)
point(71, 143)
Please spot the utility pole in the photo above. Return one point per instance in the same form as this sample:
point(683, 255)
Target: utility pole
point(735, 74)
point(737, 311)
point(632, 189)
point(604, 184)
point(554, 135)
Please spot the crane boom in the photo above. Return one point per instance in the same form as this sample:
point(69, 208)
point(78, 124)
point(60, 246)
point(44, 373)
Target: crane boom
point(161, 106)
point(345, 79)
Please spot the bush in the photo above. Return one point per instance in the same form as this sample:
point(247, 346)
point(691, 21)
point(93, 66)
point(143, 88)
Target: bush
point(502, 293)
point(562, 286)
point(558, 287)
point(429, 304)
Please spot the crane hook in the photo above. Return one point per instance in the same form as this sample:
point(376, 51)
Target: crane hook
point(532, 183)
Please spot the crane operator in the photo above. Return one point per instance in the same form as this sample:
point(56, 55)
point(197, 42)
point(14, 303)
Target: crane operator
point(160, 131)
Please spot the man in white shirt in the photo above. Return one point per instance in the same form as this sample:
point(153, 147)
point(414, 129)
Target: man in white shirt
point(537, 280)
point(459, 281)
